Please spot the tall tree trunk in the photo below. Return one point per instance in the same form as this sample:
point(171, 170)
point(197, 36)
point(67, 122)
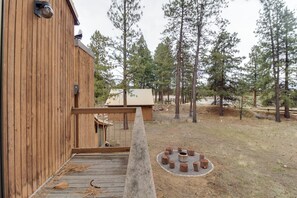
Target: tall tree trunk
point(222, 85)
point(275, 72)
point(199, 34)
point(255, 98)
point(191, 107)
point(277, 97)
point(255, 86)
point(125, 117)
point(215, 99)
point(241, 107)
point(221, 105)
point(277, 92)
point(162, 95)
point(277, 106)
point(182, 86)
point(183, 83)
point(159, 96)
point(179, 63)
point(287, 109)
point(168, 98)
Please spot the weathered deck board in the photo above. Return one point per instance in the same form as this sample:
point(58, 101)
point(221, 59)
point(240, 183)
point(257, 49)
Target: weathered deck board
point(108, 171)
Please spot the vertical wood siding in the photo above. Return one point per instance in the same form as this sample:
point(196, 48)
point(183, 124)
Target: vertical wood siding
point(39, 72)
point(84, 76)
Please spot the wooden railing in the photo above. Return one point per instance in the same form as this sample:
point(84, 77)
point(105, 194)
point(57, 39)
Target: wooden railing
point(108, 124)
point(94, 110)
point(139, 180)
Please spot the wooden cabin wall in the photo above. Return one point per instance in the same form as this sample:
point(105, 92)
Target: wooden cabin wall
point(38, 78)
point(84, 76)
point(147, 112)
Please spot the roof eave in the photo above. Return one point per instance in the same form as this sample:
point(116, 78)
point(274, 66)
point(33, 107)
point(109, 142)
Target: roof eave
point(73, 12)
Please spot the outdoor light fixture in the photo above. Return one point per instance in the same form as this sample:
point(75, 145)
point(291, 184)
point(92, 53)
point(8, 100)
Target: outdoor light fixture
point(76, 89)
point(43, 9)
point(79, 35)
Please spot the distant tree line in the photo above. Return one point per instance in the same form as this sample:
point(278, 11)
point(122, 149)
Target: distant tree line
point(198, 57)
point(272, 65)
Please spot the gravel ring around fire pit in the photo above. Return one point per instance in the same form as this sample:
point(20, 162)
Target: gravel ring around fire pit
point(191, 160)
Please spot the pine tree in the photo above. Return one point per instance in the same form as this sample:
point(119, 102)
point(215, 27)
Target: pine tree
point(269, 35)
point(103, 77)
point(290, 47)
point(164, 66)
point(252, 69)
point(186, 74)
point(277, 38)
point(224, 70)
point(203, 12)
point(125, 14)
point(141, 65)
point(177, 12)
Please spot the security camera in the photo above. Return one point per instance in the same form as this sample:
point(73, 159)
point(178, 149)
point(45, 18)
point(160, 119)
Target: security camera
point(79, 35)
point(43, 9)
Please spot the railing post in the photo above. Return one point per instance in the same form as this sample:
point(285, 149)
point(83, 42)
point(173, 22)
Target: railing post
point(139, 178)
point(76, 131)
point(76, 122)
point(2, 183)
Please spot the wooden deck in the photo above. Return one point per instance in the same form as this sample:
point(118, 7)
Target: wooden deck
point(89, 175)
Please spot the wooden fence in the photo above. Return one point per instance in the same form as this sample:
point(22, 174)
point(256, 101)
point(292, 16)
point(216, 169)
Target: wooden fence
point(39, 73)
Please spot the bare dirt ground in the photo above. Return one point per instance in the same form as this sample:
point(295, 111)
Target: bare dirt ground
point(252, 157)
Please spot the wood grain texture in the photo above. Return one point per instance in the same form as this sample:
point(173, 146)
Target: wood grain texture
point(29, 55)
point(5, 104)
point(93, 110)
point(17, 100)
point(38, 76)
point(23, 97)
point(84, 77)
point(107, 172)
point(139, 181)
point(101, 150)
point(10, 92)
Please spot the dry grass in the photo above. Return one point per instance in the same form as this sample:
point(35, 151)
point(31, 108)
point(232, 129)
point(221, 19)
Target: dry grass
point(61, 186)
point(72, 168)
point(252, 158)
point(92, 192)
point(68, 168)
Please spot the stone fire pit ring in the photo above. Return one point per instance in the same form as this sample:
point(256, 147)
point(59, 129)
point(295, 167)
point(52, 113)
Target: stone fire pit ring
point(174, 157)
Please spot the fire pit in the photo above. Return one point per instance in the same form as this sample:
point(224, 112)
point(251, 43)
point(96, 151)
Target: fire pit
point(183, 157)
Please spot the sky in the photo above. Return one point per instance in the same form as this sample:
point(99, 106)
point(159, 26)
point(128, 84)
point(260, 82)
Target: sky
point(242, 15)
